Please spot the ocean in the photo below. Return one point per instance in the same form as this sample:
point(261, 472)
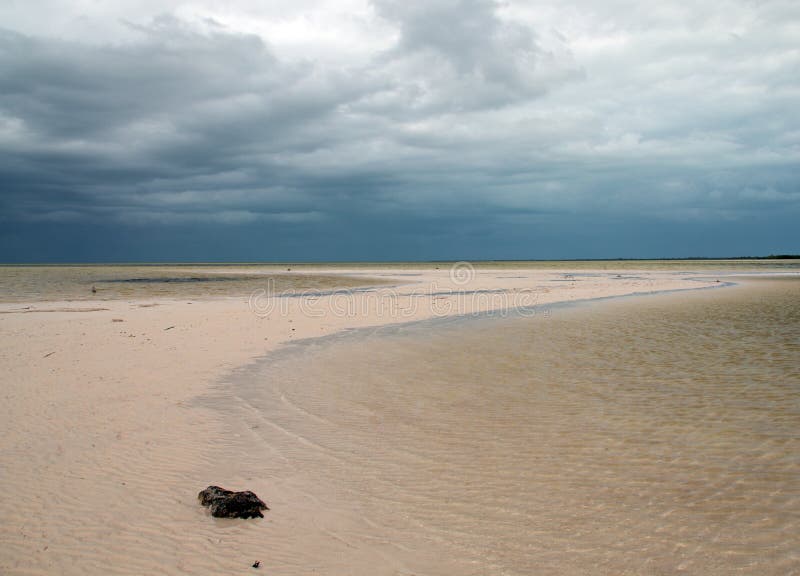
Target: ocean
point(75, 282)
point(116, 282)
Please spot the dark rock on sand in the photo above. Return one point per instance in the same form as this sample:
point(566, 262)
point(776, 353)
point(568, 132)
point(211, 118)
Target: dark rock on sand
point(229, 504)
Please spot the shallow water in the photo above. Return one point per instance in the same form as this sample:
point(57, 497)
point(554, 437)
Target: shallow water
point(35, 283)
point(650, 435)
point(48, 283)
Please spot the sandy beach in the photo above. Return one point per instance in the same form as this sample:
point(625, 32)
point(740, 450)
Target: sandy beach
point(105, 443)
point(456, 287)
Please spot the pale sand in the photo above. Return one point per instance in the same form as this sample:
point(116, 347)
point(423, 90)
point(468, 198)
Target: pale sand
point(104, 447)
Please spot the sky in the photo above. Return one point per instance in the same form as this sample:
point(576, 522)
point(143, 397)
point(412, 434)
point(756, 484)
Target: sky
point(306, 130)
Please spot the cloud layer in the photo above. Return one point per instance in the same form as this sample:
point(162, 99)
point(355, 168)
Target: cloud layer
point(391, 129)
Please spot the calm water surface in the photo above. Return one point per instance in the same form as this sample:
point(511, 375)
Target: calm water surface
point(75, 282)
point(49, 283)
point(653, 435)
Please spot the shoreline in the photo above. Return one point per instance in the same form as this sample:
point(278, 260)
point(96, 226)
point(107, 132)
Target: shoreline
point(511, 312)
point(104, 400)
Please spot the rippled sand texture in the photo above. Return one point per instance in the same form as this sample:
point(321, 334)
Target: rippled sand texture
point(658, 435)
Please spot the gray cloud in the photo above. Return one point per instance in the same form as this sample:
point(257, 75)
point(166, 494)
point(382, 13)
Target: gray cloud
point(485, 118)
point(459, 55)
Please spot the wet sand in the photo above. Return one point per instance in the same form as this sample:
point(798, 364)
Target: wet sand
point(108, 432)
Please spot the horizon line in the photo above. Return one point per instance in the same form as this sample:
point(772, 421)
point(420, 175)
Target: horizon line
point(393, 261)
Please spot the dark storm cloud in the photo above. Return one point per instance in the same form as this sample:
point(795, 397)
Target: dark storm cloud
point(499, 122)
point(178, 111)
point(215, 118)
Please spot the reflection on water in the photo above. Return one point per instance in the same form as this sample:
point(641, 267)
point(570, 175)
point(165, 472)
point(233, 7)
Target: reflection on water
point(657, 435)
point(40, 283)
point(169, 280)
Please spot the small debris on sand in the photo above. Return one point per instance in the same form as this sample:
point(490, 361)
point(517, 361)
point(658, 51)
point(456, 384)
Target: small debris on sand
point(256, 564)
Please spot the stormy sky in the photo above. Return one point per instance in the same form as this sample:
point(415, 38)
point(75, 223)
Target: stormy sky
point(152, 130)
